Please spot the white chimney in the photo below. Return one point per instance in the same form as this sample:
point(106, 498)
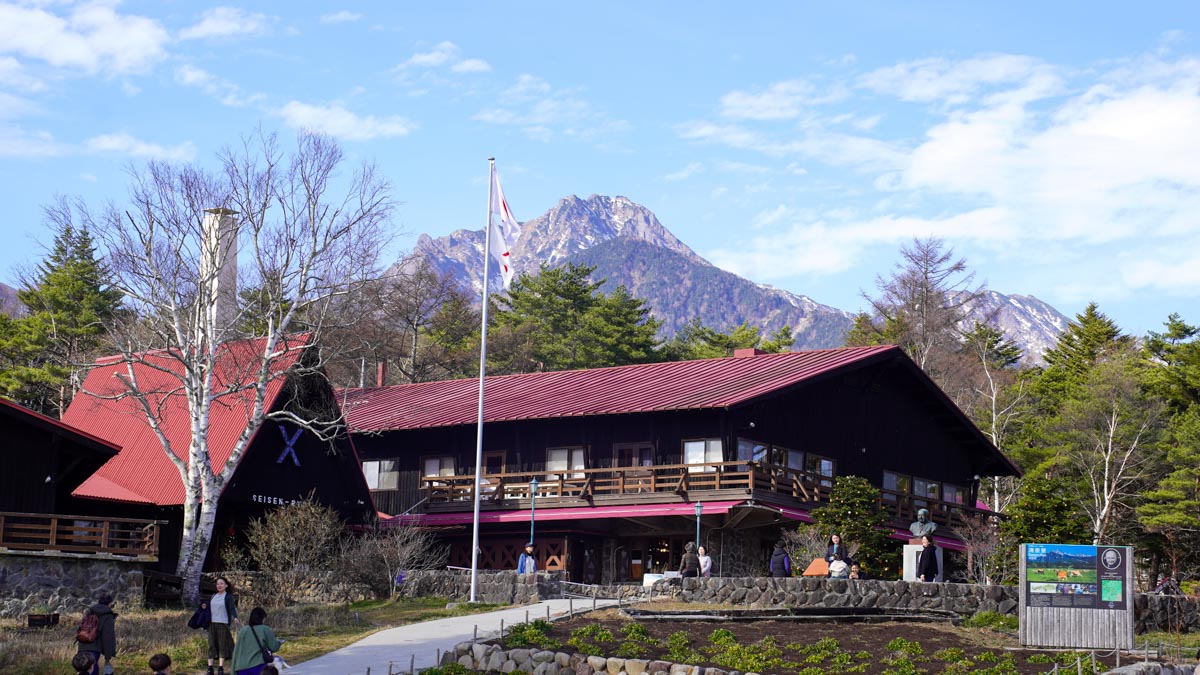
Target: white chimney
point(220, 254)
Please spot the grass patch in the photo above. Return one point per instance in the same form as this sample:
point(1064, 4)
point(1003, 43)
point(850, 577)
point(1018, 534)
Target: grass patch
point(310, 631)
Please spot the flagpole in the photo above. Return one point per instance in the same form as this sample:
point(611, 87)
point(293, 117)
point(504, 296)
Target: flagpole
point(487, 254)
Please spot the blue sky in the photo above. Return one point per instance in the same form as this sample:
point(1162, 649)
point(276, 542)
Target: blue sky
point(1054, 145)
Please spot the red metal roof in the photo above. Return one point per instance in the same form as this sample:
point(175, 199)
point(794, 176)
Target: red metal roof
point(568, 513)
point(141, 471)
point(682, 385)
point(76, 435)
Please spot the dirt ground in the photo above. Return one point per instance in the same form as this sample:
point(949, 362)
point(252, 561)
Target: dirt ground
point(852, 637)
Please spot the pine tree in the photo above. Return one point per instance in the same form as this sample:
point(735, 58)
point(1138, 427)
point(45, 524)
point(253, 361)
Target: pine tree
point(1172, 508)
point(1047, 512)
point(1090, 336)
point(561, 320)
point(70, 303)
point(1176, 354)
point(697, 341)
point(855, 513)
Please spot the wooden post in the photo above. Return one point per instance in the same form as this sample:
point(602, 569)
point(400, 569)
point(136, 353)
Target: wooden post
point(54, 531)
point(570, 608)
point(412, 664)
point(547, 611)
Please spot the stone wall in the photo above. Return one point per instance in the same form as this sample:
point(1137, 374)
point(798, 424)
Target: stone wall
point(497, 587)
point(65, 584)
point(819, 592)
point(1170, 613)
point(493, 659)
point(318, 588)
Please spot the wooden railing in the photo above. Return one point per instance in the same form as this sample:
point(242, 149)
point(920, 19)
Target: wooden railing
point(631, 481)
point(904, 507)
point(79, 534)
point(649, 484)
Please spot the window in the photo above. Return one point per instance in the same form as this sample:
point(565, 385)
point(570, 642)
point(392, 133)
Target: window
point(821, 466)
point(634, 454)
point(955, 494)
point(561, 460)
point(752, 451)
point(439, 466)
point(493, 462)
point(702, 451)
point(927, 488)
point(382, 475)
point(769, 455)
point(895, 482)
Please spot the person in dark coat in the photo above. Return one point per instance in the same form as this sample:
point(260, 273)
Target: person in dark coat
point(927, 566)
point(689, 566)
point(106, 636)
point(780, 564)
point(836, 550)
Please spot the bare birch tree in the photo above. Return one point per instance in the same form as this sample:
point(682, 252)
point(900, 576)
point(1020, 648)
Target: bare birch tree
point(1111, 431)
point(306, 234)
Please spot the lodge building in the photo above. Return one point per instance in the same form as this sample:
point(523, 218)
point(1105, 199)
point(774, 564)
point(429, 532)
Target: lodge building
point(611, 470)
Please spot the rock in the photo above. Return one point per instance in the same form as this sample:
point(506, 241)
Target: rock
point(680, 669)
point(466, 661)
point(658, 666)
point(546, 668)
point(615, 666)
point(1006, 606)
point(519, 655)
point(495, 661)
point(636, 666)
point(478, 652)
point(598, 663)
point(563, 659)
point(543, 657)
point(582, 668)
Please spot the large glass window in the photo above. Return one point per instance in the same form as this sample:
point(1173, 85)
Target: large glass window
point(896, 482)
point(383, 474)
point(956, 494)
point(821, 466)
point(634, 454)
point(438, 466)
point(927, 488)
point(765, 454)
point(701, 452)
point(560, 461)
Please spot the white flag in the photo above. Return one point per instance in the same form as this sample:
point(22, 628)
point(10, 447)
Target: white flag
point(504, 234)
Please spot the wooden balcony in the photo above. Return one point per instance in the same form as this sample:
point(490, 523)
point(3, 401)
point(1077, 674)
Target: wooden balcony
point(669, 483)
point(80, 534)
point(630, 485)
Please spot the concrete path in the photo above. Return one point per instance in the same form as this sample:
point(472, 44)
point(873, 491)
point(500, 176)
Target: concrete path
point(398, 646)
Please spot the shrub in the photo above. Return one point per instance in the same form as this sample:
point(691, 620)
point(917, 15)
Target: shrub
point(285, 557)
point(376, 558)
point(905, 647)
point(448, 669)
point(992, 620)
point(531, 634)
point(679, 648)
point(950, 654)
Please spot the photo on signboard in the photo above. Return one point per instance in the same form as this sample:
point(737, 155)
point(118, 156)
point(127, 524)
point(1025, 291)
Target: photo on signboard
point(1063, 564)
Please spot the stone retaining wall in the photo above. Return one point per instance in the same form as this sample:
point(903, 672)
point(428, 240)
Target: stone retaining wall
point(497, 587)
point(319, 588)
point(493, 659)
point(65, 584)
point(1154, 669)
point(818, 592)
point(1170, 613)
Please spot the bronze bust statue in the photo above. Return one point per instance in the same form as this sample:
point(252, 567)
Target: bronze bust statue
point(923, 525)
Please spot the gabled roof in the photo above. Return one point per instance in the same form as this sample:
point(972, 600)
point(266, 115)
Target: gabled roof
point(70, 433)
point(682, 385)
point(141, 471)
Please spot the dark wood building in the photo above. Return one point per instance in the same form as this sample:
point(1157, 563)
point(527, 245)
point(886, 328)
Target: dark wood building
point(617, 467)
point(283, 463)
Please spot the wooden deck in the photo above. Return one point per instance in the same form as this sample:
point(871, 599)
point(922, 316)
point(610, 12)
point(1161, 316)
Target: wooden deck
point(79, 534)
point(666, 484)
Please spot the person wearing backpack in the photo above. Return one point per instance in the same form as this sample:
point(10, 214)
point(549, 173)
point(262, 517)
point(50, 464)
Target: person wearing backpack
point(97, 634)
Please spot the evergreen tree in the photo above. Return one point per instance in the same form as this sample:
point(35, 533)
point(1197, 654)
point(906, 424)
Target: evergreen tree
point(1047, 512)
point(992, 345)
point(1172, 508)
point(561, 320)
point(1176, 355)
point(1090, 336)
point(697, 341)
point(70, 303)
point(855, 513)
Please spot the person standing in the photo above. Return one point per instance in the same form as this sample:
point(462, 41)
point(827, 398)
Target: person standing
point(527, 562)
point(836, 550)
point(780, 564)
point(105, 643)
point(689, 565)
point(705, 562)
point(927, 565)
point(224, 614)
point(256, 643)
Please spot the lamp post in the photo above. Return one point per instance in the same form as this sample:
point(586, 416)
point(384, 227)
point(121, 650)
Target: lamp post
point(533, 486)
point(699, 509)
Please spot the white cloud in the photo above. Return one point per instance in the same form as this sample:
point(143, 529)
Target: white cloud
point(126, 144)
point(12, 74)
point(18, 142)
point(440, 55)
point(92, 37)
point(742, 167)
point(225, 22)
point(471, 66)
point(544, 113)
point(686, 172)
point(780, 101)
point(939, 79)
point(344, 16)
point(224, 91)
point(335, 120)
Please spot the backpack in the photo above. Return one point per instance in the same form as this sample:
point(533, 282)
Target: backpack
point(89, 628)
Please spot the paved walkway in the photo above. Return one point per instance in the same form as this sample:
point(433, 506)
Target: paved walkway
point(396, 647)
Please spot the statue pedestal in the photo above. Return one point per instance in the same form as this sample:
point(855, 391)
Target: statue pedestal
point(911, 552)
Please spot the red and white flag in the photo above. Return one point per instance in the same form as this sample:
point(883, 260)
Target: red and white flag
point(504, 234)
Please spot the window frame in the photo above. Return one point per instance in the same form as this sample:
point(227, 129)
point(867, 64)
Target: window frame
point(704, 465)
point(570, 471)
point(379, 473)
point(441, 466)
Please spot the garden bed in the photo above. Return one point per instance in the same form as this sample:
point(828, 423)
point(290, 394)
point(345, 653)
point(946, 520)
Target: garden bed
point(789, 647)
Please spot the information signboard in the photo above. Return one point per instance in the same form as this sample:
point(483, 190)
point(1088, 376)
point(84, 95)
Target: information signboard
point(1070, 575)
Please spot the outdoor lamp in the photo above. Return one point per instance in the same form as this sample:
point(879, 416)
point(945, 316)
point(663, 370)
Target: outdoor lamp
point(699, 509)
